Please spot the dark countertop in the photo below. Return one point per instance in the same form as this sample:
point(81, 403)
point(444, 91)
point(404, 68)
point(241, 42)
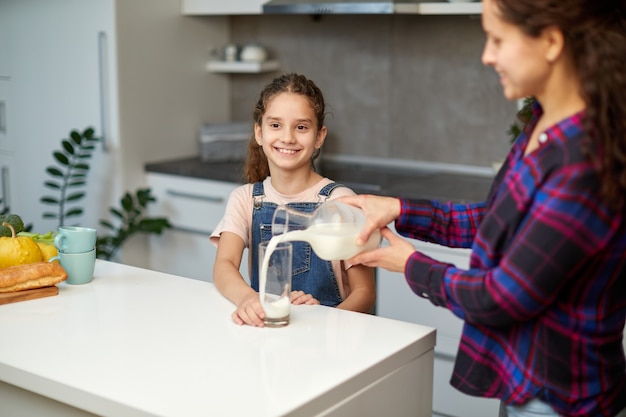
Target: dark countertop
point(362, 178)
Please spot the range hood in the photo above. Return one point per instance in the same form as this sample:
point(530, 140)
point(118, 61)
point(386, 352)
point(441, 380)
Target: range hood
point(316, 7)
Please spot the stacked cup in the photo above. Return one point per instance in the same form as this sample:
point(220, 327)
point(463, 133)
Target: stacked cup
point(77, 253)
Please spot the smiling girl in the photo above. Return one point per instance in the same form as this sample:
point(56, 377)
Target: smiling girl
point(289, 131)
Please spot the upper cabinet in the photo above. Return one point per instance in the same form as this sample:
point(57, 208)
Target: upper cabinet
point(252, 7)
point(212, 7)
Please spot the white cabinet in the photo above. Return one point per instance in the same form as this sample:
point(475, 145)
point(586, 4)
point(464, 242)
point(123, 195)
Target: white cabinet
point(193, 206)
point(212, 7)
point(396, 300)
point(235, 7)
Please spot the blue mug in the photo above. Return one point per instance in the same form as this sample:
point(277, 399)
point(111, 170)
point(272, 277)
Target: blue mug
point(79, 266)
point(75, 239)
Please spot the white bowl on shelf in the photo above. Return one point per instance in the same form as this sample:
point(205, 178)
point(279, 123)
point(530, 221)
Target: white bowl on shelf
point(253, 53)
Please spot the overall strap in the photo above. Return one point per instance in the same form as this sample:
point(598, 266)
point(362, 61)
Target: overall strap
point(258, 192)
point(326, 190)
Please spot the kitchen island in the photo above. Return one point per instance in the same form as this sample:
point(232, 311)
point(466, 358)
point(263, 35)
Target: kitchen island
point(136, 342)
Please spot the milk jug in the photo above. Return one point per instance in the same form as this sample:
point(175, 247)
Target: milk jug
point(331, 230)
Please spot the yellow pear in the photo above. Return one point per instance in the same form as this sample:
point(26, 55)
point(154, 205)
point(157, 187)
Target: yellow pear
point(47, 250)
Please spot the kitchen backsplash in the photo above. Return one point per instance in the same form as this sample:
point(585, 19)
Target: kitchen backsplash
point(404, 86)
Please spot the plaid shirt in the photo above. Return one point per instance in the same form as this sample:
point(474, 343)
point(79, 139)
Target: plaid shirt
point(544, 300)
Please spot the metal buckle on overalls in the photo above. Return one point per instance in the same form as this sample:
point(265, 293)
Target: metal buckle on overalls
point(258, 202)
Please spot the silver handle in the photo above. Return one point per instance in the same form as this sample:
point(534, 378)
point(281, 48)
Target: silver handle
point(445, 356)
point(190, 230)
point(6, 192)
point(103, 79)
point(210, 198)
point(3, 117)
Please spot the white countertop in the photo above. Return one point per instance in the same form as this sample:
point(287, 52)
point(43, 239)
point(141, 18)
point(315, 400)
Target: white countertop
point(136, 342)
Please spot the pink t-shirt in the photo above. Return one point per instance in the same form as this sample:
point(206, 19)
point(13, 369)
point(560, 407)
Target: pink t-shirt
point(238, 215)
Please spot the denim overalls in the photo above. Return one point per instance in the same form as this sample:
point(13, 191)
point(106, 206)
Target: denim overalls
point(310, 273)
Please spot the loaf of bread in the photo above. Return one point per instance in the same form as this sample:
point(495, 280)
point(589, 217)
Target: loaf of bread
point(29, 276)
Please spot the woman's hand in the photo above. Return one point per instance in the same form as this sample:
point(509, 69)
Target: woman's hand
point(392, 257)
point(249, 311)
point(379, 212)
point(300, 297)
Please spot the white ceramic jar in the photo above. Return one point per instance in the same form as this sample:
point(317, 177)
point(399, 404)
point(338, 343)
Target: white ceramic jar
point(253, 53)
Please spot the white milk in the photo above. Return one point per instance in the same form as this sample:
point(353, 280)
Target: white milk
point(334, 241)
point(330, 241)
point(275, 308)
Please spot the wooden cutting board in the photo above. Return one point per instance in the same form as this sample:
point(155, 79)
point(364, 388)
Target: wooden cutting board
point(14, 297)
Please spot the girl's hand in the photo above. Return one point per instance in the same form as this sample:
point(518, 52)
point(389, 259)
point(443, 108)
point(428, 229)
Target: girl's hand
point(392, 257)
point(379, 212)
point(249, 311)
point(299, 297)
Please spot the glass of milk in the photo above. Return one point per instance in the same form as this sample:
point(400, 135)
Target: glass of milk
point(275, 281)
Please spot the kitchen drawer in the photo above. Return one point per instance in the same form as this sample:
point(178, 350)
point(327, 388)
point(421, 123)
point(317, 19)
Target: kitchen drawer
point(193, 207)
point(191, 204)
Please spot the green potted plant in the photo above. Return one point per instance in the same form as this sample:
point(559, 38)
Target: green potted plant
point(68, 181)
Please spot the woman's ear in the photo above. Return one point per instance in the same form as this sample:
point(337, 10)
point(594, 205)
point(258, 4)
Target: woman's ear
point(321, 137)
point(554, 43)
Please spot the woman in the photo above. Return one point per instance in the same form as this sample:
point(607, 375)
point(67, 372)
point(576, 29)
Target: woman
point(544, 300)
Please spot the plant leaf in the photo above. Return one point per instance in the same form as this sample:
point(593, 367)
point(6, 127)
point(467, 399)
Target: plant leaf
point(117, 213)
point(76, 137)
point(61, 158)
point(55, 172)
point(75, 196)
point(53, 185)
point(107, 224)
point(68, 147)
point(49, 200)
point(153, 225)
point(74, 212)
point(127, 202)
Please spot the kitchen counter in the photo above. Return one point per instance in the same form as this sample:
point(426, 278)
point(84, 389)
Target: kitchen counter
point(363, 178)
point(135, 342)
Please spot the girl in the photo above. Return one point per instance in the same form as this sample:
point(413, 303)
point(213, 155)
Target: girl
point(544, 302)
point(289, 131)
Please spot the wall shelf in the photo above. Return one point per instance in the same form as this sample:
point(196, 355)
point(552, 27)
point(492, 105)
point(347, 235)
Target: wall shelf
point(242, 67)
